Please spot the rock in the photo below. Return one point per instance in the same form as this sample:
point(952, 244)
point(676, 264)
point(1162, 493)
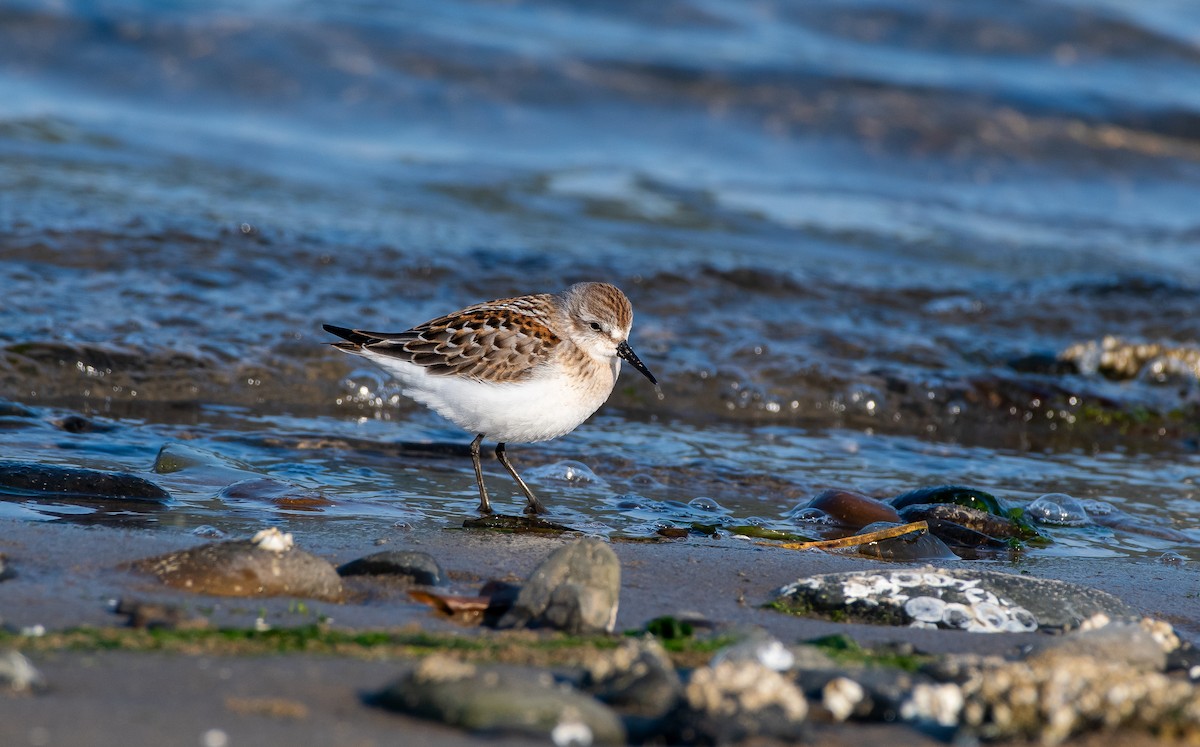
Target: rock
point(25, 480)
point(410, 566)
point(80, 424)
point(637, 679)
point(263, 567)
point(842, 697)
point(862, 693)
point(966, 599)
point(876, 681)
point(760, 647)
point(156, 616)
point(6, 569)
point(18, 675)
point(515, 524)
point(914, 546)
point(260, 490)
point(1018, 525)
point(215, 468)
point(808, 657)
point(575, 589)
point(996, 528)
point(1104, 678)
point(1132, 645)
point(1115, 358)
point(1049, 701)
point(848, 509)
point(501, 702)
point(733, 701)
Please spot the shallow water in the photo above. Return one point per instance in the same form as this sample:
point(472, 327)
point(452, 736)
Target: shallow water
point(841, 225)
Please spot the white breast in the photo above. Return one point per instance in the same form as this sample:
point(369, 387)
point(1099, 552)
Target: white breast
point(550, 405)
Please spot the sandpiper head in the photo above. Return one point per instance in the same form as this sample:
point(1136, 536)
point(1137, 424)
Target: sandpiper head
point(600, 317)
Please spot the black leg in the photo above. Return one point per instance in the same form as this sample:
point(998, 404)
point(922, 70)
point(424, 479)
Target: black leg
point(485, 505)
point(535, 506)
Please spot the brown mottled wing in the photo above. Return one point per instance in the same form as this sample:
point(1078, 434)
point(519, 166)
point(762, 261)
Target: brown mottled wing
point(497, 341)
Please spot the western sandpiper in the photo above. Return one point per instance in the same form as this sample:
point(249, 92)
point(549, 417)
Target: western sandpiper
point(516, 370)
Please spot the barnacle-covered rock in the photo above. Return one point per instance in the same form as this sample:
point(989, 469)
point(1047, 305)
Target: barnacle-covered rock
point(737, 700)
point(961, 599)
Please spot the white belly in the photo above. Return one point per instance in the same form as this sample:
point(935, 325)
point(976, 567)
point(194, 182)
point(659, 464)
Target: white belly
point(539, 409)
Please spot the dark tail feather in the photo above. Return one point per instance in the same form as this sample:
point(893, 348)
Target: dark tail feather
point(354, 337)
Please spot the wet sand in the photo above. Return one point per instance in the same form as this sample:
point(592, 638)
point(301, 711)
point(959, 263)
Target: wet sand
point(66, 576)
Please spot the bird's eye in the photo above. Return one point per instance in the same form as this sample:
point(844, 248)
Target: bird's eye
point(596, 326)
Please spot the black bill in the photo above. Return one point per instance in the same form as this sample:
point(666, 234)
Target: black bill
point(626, 352)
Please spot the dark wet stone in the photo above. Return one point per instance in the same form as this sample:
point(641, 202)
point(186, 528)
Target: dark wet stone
point(157, 616)
point(849, 509)
point(974, 499)
point(673, 532)
point(505, 523)
point(639, 681)
point(410, 565)
point(501, 702)
point(956, 494)
point(243, 568)
point(967, 543)
point(575, 589)
point(735, 701)
point(1043, 363)
point(6, 569)
point(966, 599)
point(176, 457)
point(29, 480)
point(979, 522)
point(914, 546)
point(277, 492)
point(80, 424)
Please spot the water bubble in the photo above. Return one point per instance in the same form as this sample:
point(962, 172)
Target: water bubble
point(812, 516)
point(1098, 508)
point(630, 501)
point(1059, 509)
point(568, 471)
point(705, 503)
point(1170, 557)
point(208, 531)
point(642, 479)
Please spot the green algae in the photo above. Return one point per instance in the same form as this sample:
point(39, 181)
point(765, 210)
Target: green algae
point(523, 647)
point(845, 650)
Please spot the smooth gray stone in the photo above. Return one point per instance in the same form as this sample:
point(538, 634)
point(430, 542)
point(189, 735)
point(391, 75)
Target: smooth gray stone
point(243, 569)
point(1120, 642)
point(575, 589)
point(417, 567)
point(501, 701)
